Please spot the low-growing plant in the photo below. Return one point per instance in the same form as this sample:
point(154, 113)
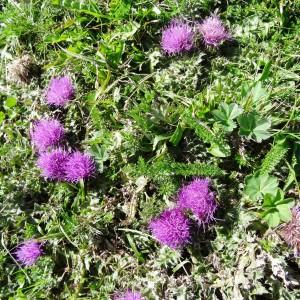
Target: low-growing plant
point(149, 149)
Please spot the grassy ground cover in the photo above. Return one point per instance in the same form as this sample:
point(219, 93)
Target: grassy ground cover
point(152, 123)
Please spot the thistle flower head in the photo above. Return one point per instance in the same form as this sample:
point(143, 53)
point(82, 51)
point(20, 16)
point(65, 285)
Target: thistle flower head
point(52, 164)
point(129, 295)
point(28, 252)
point(79, 166)
point(291, 231)
point(171, 228)
point(47, 133)
point(60, 91)
point(197, 197)
point(213, 31)
point(178, 37)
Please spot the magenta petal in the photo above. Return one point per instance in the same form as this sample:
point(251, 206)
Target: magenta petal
point(28, 252)
point(171, 228)
point(47, 133)
point(178, 37)
point(60, 91)
point(197, 197)
point(213, 31)
point(129, 295)
point(52, 164)
point(79, 166)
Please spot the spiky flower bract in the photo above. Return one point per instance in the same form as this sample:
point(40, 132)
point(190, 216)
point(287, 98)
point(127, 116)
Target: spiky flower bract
point(52, 164)
point(60, 91)
point(129, 295)
point(28, 252)
point(213, 31)
point(291, 231)
point(47, 133)
point(79, 166)
point(178, 37)
point(171, 228)
point(197, 197)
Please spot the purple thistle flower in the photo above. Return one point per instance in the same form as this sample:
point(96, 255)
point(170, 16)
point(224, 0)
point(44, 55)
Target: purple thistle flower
point(46, 133)
point(291, 231)
point(79, 166)
point(60, 91)
point(52, 164)
point(129, 295)
point(177, 37)
point(213, 31)
point(197, 197)
point(171, 228)
point(28, 252)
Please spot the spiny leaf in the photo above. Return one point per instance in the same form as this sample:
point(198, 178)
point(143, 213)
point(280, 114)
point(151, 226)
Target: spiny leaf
point(168, 167)
point(90, 8)
point(273, 157)
point(218, 147)
point(197, 169)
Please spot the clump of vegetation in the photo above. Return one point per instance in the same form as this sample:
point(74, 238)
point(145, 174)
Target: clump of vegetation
point(149, 149)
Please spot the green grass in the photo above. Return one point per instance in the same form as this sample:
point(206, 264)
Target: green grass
point(148, 121)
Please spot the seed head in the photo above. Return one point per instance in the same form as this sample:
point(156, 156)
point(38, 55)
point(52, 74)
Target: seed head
point(22, 69)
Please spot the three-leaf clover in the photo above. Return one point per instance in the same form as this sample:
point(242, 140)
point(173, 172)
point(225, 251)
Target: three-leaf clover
point(252, 126)
point(226, 114)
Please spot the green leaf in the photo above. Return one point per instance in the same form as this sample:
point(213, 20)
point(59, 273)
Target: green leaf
point(266, 71)
point(225, 114)
point(275, 207)
point(90, 8)
point(272, 218)
point(100, 154)
point(2, 116)
point(285, 212)
point(218, 151)
point(177, 135)
point(10, 102)
point(270, 200)
point(254, 127)
point(159, 138)
point(259, 185)
point(258, 92)
point(288, 201)
point(119, 9)
point(274, 156)
point(218, 147)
